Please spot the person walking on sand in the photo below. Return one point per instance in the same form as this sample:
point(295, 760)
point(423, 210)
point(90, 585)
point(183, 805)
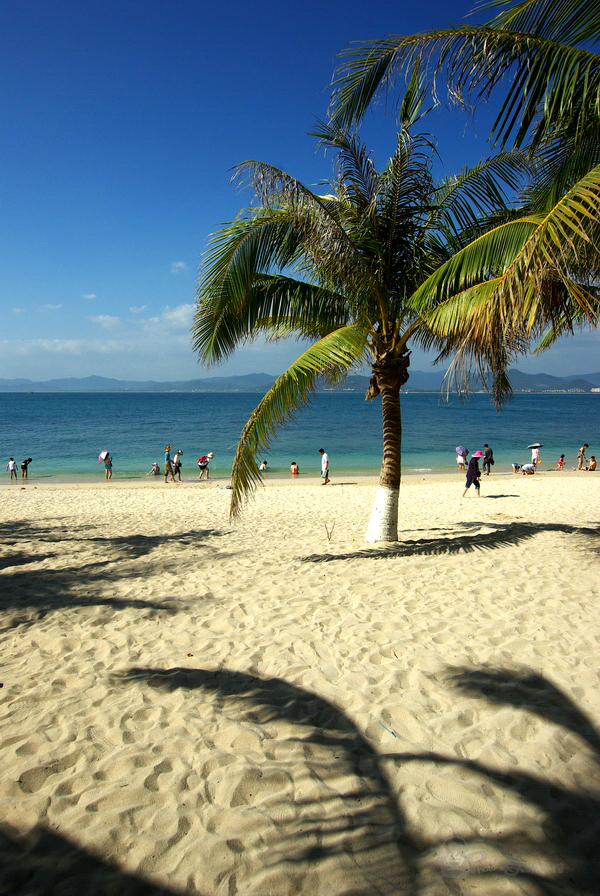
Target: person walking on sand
point(168, 465)
point(473, 474)
point(25, 468)
point(177, 465)
point(560, 463)
point(488, 460)
point(324, 466)
point(108, 466)
point(11, 468)
point(581, 456)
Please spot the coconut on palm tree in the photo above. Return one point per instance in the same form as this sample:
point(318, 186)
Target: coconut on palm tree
point(340, 269)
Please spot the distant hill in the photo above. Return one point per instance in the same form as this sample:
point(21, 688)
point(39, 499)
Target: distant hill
point(420, 381)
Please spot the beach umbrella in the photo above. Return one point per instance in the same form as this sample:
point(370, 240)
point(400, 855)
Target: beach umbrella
point(101, 456)
point(460, 449)
point(536, 445)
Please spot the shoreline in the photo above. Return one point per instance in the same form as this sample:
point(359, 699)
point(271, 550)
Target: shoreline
point(359, 479)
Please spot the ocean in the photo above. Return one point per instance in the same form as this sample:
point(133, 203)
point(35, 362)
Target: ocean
point(64, 432)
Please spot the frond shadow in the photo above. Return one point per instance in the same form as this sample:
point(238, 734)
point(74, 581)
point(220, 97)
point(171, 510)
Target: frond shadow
point(28, 585)
point(356, 817)
point(558, 855)
point(45, 863)
point(504, 535)
point(566, 846)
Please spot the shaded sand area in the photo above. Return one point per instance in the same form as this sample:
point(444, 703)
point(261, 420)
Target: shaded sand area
point(270, 707)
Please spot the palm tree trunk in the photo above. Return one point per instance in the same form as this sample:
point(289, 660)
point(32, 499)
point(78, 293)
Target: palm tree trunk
point(387, 379)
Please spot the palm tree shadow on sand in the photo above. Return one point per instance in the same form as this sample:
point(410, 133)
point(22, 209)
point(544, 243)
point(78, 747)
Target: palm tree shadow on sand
point(44, 863)
point(464, 538)
point(357, 839)
point(346, 827)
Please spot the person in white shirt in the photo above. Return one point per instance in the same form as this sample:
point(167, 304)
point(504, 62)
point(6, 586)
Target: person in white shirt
point(324, 466)
point(11, 468)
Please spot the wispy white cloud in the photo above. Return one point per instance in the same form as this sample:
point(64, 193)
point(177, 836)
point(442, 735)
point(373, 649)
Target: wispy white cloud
point(178, 266)
point(173, 320)
point(157, 347)
point(137, 309)
point(51, 307)
point(105, 320)
point(17, 310)
point(89, 295)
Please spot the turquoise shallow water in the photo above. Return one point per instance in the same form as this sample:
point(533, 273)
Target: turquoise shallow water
point(64, 433)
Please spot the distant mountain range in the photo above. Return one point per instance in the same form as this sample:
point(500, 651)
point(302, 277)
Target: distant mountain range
point(420, 381)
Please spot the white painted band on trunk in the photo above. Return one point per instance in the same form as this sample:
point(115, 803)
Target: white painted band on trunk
point(383, 525)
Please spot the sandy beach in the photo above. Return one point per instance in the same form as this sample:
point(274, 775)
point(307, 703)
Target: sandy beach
point(269, 707)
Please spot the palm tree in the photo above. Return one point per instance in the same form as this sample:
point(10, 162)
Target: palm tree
point(340, 270)
point(546, 262)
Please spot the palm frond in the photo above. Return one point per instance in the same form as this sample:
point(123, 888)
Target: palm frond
point(479, 191)
point(528, 259)
point(566, 21)
point(333, 356)
point(553, 84)
point(356, 174)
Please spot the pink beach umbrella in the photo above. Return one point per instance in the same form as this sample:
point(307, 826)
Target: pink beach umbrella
point(101, 456)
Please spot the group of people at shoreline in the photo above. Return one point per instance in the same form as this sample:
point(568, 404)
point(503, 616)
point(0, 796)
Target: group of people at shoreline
point(173, 465)
point(474, 473)
point(12, 470)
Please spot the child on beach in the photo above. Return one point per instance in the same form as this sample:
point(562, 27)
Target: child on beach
point(474, 474)
point(11, 468)
point(561, 462)
point(592, 465)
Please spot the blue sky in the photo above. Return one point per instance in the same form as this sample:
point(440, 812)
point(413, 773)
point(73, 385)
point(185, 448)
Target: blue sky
point(121, 122)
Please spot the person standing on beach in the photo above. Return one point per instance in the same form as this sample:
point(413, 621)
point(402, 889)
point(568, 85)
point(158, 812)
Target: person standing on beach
point(461, 460)
point(473, 474)
point(324, 466)
point(535, 456)
point(560, 462)
point(488, 460)
point(581, 456)
point(108, 466)
point(11, 468)
point(177, 465)
point(25, 468)
point(168, 464)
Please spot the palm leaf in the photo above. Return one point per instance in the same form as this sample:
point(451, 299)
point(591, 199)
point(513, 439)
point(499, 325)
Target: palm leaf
point(333, 356)
point(557, 81)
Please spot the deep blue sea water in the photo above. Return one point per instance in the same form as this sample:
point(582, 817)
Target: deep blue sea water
point(64, 432)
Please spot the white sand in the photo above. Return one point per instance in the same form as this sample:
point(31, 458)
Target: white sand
point(253, 708)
